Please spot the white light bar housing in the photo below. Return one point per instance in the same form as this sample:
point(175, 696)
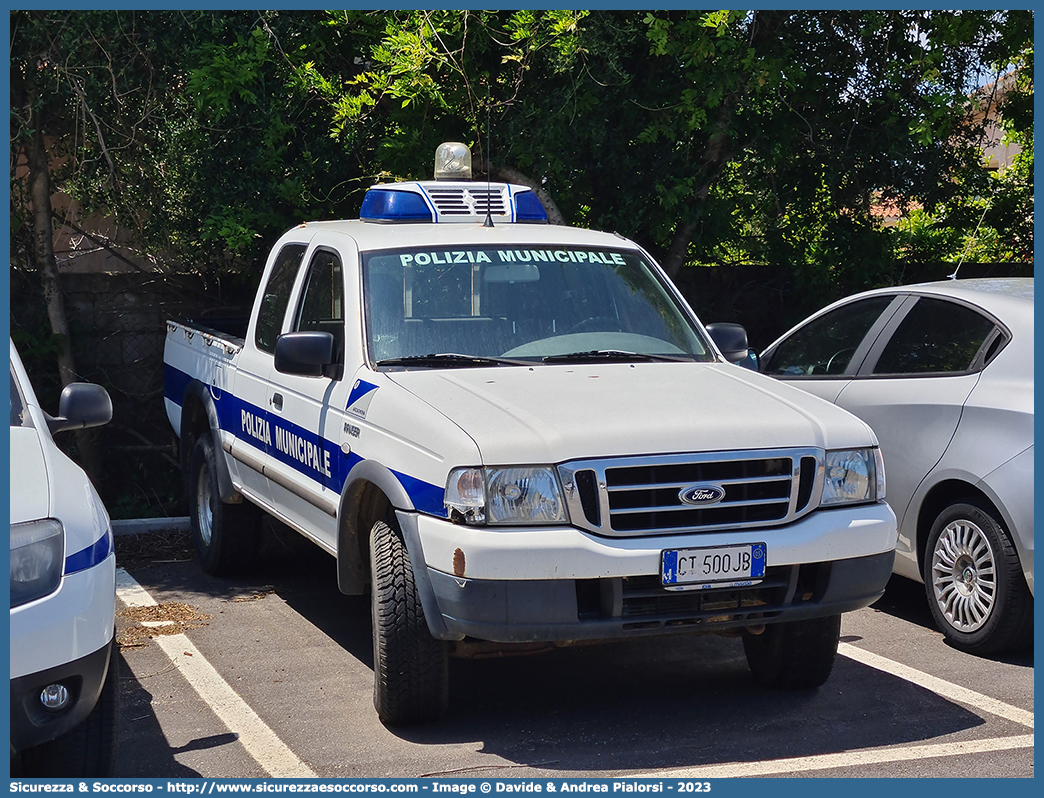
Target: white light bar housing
point(449, 202)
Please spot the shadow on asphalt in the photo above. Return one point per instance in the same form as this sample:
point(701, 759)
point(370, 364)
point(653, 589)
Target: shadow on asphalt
point(141, 739)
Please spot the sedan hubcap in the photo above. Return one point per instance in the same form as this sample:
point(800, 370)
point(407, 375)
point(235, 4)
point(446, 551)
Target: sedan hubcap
point(964, 576)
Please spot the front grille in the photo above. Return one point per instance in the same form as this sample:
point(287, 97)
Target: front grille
point(456, 201)
point(686, 493)
point(587, 487)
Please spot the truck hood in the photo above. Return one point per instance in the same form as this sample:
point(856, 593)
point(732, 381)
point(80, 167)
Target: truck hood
point(556, 413)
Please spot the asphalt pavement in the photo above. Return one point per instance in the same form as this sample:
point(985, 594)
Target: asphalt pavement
point(286, 689)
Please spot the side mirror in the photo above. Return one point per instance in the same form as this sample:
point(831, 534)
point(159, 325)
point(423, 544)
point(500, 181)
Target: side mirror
point(307, 353)
point(82, 405)
point(731, 339)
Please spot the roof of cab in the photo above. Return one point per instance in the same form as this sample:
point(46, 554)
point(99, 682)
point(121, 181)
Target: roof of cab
point(369, 236)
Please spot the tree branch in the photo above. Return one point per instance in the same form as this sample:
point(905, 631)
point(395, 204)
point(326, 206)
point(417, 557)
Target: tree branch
point(554, 215)
point(101, 242)
point(78, 90)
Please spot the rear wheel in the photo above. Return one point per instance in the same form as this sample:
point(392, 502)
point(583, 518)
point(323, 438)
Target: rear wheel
point(797, 655)
point(973, 578)
point(88, 750)
point(410, 667)
point(225, 536)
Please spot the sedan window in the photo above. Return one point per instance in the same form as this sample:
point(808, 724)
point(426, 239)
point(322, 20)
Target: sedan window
point(825, 345)
point(935, 337)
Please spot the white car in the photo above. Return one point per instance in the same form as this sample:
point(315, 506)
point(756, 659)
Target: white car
point(943, 372)
point(64, 690)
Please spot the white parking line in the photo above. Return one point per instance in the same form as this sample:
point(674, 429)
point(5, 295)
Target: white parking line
point(938, 686)
point(257, 738)
point(870, 756)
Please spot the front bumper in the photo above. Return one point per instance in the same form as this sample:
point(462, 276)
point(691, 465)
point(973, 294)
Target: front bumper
point(67, 625)
point(616, 608)
point(31, 723)
point(562, 584)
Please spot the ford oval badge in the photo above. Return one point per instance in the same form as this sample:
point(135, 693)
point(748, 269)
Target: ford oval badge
point(702, 494)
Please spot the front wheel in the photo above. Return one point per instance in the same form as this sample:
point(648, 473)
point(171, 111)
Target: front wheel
point(410, 667)
point(224, 536)
point(973, 578)
point(796, 655)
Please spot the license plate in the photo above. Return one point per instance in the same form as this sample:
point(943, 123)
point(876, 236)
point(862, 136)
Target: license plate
point(713, 567)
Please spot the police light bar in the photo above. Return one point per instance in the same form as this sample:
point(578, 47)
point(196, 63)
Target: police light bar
point(452, 197)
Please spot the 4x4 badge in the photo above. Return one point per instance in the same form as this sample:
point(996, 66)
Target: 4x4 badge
point(702, 494)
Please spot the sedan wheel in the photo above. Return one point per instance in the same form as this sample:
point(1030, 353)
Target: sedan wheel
point(974, 581)
point(963, 575)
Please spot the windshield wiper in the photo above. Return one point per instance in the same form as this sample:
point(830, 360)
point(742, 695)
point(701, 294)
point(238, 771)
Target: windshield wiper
point(612, 356)
point(451, 360)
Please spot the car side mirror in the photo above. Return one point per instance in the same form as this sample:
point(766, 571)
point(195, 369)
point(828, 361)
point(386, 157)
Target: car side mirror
point(731, 339)
point(307, 353)
point(82, 405)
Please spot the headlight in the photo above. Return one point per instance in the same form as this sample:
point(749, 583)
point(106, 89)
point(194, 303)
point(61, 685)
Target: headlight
point(466, 495)
point(37, 557)
point(509, 495)
point(852, 476)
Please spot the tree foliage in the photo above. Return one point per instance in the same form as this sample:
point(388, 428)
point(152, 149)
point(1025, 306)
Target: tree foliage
point(990, 219)
point(711, 137)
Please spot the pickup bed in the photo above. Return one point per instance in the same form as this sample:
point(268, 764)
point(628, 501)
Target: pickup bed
point(518, 435)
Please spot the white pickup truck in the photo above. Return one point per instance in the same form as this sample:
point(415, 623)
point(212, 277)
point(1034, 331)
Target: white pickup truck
point(519, 435)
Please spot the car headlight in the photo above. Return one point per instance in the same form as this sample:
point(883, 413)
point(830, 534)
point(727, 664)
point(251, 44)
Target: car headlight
point(505, 495)
point(37, 557)
point(852, 476)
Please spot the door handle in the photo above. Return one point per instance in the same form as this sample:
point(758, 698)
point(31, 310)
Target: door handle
point(277, 400)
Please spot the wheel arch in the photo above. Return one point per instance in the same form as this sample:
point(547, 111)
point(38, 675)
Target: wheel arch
point(371, 493)
point(198, 417)
point(938, 499)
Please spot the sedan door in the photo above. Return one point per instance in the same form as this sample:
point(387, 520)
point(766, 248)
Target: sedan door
point(912, 387)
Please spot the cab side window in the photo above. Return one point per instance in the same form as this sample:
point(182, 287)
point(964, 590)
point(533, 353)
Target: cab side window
point(936, 337)
point(825, 346)
point(276, 296)
point(322, 304)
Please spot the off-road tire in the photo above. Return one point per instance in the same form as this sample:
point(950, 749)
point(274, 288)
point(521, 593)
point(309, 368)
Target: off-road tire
point(89, 749)
point(410, 667)
point(796, 655)
point(225, 537)
point(974, 582)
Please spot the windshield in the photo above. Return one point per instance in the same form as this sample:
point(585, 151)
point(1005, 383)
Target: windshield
point(521, 305)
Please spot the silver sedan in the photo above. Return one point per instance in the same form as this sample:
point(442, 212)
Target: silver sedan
point(943, 372)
